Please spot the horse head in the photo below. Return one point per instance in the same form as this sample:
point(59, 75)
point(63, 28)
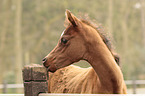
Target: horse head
point(70, 48)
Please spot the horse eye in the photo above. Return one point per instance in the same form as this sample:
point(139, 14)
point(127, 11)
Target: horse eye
point(64, 41)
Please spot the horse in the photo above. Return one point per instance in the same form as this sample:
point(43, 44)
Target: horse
point(61, 76)
point(82, 41)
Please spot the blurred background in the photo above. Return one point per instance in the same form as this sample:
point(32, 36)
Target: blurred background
point(30, 29)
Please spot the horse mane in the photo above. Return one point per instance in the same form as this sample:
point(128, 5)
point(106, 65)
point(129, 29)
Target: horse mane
point(100, 29)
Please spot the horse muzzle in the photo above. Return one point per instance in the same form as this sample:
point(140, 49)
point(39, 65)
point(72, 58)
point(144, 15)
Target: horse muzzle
point(50, 67)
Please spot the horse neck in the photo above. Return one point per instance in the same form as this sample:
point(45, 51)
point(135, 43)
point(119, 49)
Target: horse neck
point(102, 61)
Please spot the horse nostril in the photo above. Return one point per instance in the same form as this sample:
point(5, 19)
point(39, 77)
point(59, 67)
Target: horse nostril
point(44, 60)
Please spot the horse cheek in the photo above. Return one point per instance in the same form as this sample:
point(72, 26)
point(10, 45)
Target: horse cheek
point(76, 52)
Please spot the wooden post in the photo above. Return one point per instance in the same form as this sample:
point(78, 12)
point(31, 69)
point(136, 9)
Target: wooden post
point(134, 85)
point(4, 87)
point(35, 80)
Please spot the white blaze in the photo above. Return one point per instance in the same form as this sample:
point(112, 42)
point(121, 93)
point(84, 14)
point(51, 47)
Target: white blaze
point(62, 33)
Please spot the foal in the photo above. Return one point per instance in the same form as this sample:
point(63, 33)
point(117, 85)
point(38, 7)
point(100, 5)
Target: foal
point(81, 41)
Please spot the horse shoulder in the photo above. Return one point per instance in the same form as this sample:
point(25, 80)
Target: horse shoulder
point(58, 81)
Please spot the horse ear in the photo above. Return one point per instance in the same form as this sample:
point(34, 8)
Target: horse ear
point(72, 19)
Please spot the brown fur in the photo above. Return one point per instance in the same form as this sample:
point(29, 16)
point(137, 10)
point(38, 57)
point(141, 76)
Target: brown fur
point(81, 41)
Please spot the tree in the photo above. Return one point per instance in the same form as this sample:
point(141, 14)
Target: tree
point(18, 42)
point(4, 24)
point(143, 20)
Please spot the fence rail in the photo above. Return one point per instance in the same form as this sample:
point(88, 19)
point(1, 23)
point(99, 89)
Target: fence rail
point(137, 82)
point(132, 83)
point(12, 95)
point(2, 86)
point(128, 82)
